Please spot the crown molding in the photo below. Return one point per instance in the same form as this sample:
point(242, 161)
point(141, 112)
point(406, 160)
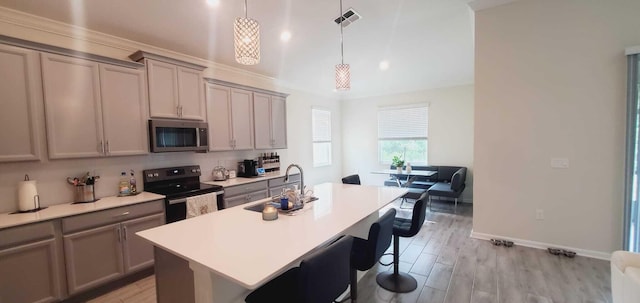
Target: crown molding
point(478, 5)
point(128, 47)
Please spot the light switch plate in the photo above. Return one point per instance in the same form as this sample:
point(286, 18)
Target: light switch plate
point(559, 163)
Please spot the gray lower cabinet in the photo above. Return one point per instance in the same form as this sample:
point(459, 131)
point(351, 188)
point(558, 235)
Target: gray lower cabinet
point(254, 191)
point(102, 246)
point(31, 264)
point(245, 193)
point(93, 257)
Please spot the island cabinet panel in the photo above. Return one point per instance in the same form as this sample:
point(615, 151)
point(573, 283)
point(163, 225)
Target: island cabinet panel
point(30, 264)
point(21, 92)
point(174, 91)
point(93, 110)
point(270, 128)
point(124, 110)
point(229, 112)
point(72, 106)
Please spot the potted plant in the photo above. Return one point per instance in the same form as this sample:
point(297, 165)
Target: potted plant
point(398, 163)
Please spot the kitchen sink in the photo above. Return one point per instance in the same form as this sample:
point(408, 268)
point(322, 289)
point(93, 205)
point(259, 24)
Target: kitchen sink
point(276, 203)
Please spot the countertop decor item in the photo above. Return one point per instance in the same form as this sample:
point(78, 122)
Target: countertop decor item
point(83, 188)
point(220, 173)
point(28, 198)
point(269, 212)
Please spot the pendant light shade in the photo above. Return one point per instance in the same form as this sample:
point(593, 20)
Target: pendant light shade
point(343, 73)
point(343, 77)
point(246, 39)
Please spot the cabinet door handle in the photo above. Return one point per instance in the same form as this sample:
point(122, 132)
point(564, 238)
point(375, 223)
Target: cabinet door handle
point(126, 213)
point(124, 231)
point(100, 148)
point(108, 150)
point(119, 234)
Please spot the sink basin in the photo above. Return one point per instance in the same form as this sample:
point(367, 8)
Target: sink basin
point(276, 203)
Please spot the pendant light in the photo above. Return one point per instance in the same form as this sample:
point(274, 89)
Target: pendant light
point(343, 75)
point(246, 39)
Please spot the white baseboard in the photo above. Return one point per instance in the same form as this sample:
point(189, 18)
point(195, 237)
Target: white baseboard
point(541, 245)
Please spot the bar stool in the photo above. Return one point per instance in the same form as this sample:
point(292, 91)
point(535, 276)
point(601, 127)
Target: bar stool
point(352, 179)
point(320, 278)
point(365, 253)
point(398, 281)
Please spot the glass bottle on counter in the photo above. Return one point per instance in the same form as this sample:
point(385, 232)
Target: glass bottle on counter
point(123, 186)
point(132, 184)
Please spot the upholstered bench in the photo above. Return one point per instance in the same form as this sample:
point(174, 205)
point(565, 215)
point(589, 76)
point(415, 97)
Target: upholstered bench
point(449, 181)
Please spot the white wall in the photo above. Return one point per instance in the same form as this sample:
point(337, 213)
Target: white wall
point(51, 174)
point(450, 131)
point(551, 82)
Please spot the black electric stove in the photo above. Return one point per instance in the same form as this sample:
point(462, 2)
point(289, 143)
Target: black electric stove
point(177, 184)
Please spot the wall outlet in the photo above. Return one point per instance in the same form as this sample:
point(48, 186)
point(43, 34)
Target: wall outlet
point(559, 162)
point(539, 214)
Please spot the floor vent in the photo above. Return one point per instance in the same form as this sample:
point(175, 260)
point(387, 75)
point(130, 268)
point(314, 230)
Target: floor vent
point(348, 17)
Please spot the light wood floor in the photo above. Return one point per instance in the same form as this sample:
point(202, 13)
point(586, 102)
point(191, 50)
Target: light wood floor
point(450, 267)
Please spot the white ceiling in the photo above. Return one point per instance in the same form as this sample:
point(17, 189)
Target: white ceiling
point(428, 43)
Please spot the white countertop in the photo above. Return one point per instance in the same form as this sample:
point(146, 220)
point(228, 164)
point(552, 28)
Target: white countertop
point(68, 209)
point(237, 244)
point(241, 180)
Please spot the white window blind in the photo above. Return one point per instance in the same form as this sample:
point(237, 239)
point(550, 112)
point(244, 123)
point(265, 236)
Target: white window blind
point(402, 131)
point(402, 123)
point(321, 129)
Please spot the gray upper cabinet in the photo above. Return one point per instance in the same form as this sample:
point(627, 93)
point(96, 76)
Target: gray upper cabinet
point(72, 107)
point(21, 92)
point(124, 110)
point(270, 121)
point(31, 267)
point(175, 87)
point(229, 112)
point(93, 109)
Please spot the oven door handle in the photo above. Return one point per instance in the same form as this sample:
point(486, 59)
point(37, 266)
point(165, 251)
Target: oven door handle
point(183, 200)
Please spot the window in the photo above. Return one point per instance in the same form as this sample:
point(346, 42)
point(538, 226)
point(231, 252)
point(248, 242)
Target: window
point(402, 131)
point(321, 128)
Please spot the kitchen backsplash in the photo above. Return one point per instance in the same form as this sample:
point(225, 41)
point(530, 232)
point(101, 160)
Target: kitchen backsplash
point(51, 174)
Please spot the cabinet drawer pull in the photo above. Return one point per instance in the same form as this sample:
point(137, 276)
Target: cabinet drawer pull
point(126, 213)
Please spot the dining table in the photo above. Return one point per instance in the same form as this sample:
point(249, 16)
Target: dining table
point(408, 174)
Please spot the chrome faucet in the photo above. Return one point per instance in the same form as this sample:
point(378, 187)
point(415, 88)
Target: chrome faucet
point(286, 178)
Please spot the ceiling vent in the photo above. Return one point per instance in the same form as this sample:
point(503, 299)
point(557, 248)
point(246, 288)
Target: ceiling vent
point(348, 17)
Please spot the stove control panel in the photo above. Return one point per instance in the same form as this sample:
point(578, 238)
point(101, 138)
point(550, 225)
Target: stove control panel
point(171, 173)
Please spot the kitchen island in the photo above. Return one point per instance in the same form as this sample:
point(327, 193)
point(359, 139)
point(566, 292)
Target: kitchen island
point(234, 251)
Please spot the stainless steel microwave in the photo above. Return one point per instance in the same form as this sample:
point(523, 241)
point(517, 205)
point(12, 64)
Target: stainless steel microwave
point(176, 136)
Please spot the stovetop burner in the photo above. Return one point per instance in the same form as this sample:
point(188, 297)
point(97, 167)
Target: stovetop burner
point(177, 182)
